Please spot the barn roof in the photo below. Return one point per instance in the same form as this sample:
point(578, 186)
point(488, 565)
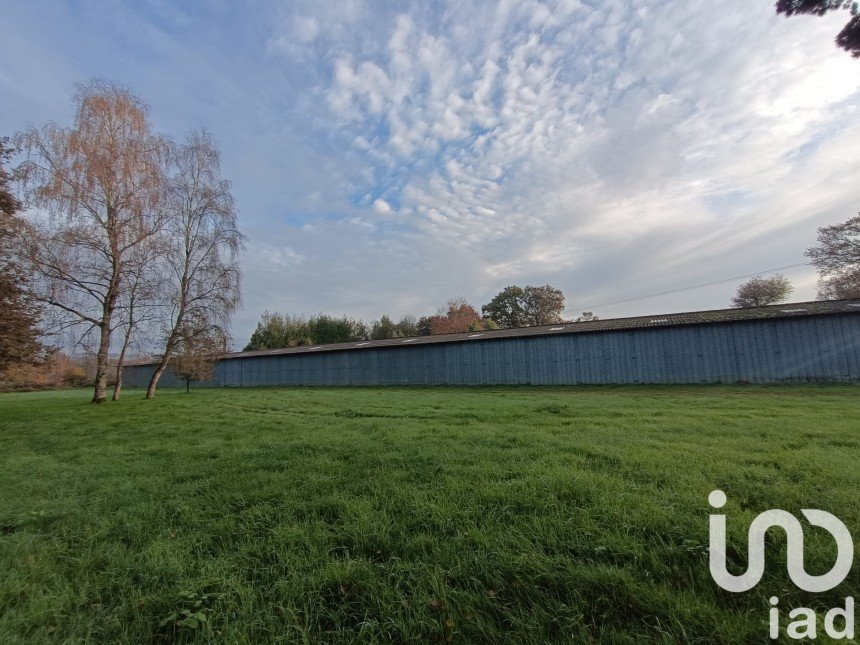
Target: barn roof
point(770, 312)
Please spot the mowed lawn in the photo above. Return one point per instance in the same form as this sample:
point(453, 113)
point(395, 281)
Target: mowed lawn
point(411, 514)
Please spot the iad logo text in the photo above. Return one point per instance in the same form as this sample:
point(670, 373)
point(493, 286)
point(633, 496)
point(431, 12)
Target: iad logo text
point(839, 621)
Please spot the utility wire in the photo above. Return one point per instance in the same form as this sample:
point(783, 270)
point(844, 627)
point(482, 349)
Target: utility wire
point(698, 286)
point(671, 291)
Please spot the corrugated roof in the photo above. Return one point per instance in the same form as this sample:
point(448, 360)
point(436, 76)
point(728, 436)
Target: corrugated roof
point(790, 310)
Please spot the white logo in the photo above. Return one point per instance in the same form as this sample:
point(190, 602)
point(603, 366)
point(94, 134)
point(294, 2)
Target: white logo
point(794, 537)
point(805, 626)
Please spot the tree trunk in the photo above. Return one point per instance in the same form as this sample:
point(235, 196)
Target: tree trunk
point(162, 365)
point(100, 396)
point(117, 389)
point(188, 386)
point(169, 346)
point(153, 382)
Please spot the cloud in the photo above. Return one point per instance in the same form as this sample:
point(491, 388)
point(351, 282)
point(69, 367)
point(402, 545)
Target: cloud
point(382, 207)
point(281, 257)
point(386, 156)
point(555, 130)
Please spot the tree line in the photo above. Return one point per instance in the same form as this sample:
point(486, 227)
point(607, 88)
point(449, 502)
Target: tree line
point(130, 235)
point(836, 256)
point(512, 307)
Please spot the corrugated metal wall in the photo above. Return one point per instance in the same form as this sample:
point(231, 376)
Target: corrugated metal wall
point(800, 349)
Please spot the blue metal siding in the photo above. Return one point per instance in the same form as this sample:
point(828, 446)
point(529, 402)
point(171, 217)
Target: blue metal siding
point(803, 349)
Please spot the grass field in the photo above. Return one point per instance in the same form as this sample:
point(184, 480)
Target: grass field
point(410, 514)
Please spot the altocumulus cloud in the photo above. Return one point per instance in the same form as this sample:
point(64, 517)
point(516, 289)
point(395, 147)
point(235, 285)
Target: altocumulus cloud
point(387, 156)
point(611, 150)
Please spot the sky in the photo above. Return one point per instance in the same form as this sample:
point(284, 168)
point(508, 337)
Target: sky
point(387, 156)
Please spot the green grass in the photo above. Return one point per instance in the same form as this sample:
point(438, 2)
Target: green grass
point(410, 514)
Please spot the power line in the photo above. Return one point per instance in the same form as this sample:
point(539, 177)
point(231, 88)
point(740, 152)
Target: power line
point(671, 291)
point(698, 286)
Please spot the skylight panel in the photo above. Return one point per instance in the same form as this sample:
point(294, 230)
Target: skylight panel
point(475, 335)
point(360, 344)
point(660, 320)
point(793, 311)
point(409, 340)
point(556, 328)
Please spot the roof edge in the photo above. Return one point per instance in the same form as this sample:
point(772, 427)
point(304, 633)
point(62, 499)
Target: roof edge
point(653, 321)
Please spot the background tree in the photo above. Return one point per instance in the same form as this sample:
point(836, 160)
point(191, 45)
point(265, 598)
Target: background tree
point(759, 291)
point(277, 331)
point(837, 258)
point(56, 370)
point(200, 245)
point(407, 326)
point(522, 307)
point(196, 352)
point(849, 38)
point(325, 329)
point(587, 316)
point(838, 287)
point(101, 182)
point(507, 308)
point(425, 325)
point(19, 315)
point(387, 328)
point(457, 317)
point(383, 328)
point(543, 305)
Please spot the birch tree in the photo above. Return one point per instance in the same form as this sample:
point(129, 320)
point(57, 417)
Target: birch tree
point(100, 184)
point(201, 245)
point(138, 305)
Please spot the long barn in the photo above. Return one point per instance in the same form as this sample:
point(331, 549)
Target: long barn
point(799, 342)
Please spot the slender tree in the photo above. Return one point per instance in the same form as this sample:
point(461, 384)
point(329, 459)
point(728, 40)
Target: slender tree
point(101, 183)
point(138, 306)
point(200, 245)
